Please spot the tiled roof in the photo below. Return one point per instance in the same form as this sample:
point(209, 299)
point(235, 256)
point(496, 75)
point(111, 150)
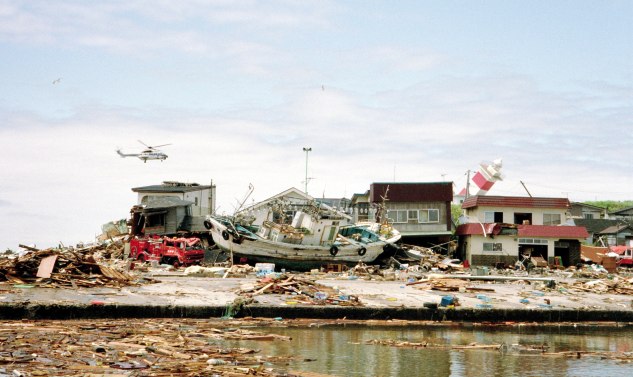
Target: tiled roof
point(514, 201)
point(615, 229)
point(562, 231)
point(595, 225)
point(525, 230)
point(402, 192)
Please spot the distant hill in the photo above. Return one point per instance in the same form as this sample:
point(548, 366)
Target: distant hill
point(612, 205)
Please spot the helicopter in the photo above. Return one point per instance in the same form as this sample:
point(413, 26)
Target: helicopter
point(151, 153)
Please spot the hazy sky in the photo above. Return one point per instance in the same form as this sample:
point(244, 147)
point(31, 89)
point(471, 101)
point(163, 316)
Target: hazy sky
point(380, 90)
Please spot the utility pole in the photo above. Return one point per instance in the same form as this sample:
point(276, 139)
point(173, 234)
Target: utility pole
point(307, 150)
point(526, 190)
point(467, 184)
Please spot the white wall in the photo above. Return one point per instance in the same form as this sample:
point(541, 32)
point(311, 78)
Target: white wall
point(508, 213)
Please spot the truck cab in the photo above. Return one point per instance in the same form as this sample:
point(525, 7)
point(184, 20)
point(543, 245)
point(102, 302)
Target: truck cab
point(176, 251)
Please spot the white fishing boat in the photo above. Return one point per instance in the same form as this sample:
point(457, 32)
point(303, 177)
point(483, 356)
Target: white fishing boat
point(311, 241)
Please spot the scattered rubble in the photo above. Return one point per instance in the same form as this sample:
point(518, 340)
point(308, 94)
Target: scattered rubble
point(65, 268)
point(300, 289)
point(511, 349)
point(159, 347)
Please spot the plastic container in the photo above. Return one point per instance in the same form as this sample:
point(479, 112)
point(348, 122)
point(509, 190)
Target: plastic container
point(447, 300)
point(263, 269)
point(320, 295)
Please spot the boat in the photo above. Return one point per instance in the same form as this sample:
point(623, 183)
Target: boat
point(312, 240)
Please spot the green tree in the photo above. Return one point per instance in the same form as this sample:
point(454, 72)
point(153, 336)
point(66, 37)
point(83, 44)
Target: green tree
point(611, 205)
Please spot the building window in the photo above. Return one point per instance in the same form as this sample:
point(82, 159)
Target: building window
point(397, 216)
point(588, 216)
point(532, 241)
point(493, 217)
point(551, 219)
point(412, 216)
point(490, 246)
point(429, 216)
point(154, 220)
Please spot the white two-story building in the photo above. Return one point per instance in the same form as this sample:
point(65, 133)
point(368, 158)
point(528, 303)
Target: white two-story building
point(501, 230)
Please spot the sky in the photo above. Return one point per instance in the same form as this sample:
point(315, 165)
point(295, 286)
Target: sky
point(381, 91)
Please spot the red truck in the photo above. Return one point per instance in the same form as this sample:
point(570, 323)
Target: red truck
point(167, 250)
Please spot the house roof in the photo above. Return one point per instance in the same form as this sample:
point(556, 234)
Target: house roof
point(615, 229)
point(623, 211)
point(400, 192)
point(585, 205)
point(514, 201)
point(172, 187)
point(293, 191)
point(595, 225)
point(360, 197)
point(562, 231)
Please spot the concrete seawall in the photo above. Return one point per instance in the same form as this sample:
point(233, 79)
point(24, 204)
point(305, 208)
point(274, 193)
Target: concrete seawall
point(181, 296)
point(13, 311)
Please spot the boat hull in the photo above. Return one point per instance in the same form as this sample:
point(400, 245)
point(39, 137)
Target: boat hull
point(254, 249)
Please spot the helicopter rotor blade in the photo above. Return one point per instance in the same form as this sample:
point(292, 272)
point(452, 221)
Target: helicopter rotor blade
point(158, 146)
point(144, 144)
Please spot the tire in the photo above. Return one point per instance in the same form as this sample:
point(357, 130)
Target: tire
point(141, 258)
point(207, 224)
point(225, 235)
point(333, 251)
point(362, 251)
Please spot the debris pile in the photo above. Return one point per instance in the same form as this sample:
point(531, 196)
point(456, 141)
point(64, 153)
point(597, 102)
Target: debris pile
point(156, 347)
point(618, 286)
point(63, 268)
point(448, 285)
point(301, 289)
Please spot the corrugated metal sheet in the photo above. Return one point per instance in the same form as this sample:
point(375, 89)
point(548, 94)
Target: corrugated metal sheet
point(515, 201)
point(404, 192)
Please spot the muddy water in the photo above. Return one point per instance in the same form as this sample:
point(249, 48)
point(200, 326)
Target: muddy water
point(344, 351)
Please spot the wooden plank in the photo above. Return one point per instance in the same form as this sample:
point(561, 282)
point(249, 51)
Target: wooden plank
point(46, 266)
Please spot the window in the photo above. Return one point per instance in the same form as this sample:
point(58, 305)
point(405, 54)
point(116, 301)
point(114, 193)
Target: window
point(551, 219)
point(522, 218)
point(397, 216)
point(429, 216)
point(489, 246)
point(532, 241)
point(412, 216)
point(493, 217)
point(589, 216)
point(154, 220)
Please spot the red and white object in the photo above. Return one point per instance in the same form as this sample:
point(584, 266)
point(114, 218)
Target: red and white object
point(488, 174)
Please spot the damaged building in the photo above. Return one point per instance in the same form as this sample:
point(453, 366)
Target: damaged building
point(503, 230)
point(172, 208)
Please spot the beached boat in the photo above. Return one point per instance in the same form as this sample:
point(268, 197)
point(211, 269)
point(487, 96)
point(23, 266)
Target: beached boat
point(311, 241)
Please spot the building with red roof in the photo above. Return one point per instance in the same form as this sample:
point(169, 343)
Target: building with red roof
point(503, 230)
point(420, 211)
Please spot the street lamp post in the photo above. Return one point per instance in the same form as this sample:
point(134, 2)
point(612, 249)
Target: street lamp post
point(306, 181)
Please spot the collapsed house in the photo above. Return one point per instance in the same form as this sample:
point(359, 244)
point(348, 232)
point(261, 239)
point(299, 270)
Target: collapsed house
point(171, 208)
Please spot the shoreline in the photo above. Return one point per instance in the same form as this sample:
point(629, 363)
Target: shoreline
point(179, 296)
